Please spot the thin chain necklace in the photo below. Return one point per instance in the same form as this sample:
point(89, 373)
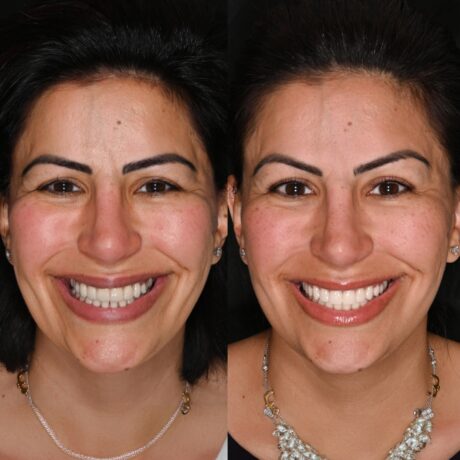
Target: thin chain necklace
point(291, 447)
point(183, 407)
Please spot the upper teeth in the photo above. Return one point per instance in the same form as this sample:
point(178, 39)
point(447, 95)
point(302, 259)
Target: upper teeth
point(343, 300)
point(109, 297)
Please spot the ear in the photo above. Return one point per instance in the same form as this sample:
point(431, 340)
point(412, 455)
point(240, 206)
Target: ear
point(454, 240)
point(234, 205)
point(4, 222)
point(222, 224)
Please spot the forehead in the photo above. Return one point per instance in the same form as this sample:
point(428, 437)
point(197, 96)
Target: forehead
point(114, 119)
point(346, 117)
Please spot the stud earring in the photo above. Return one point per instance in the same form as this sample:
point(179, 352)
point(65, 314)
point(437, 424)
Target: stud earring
point(218, 252)
point(242, 253)
point(8, 256)
point(455, 250)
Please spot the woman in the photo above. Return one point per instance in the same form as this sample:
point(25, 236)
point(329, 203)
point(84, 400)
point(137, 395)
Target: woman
point(347, 211)
point(111, 125)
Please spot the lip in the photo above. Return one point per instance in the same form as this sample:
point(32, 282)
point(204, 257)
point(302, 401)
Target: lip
point(92, 314)
point(344, 318)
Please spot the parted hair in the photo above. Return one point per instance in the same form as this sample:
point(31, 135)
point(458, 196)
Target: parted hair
point(176, 43)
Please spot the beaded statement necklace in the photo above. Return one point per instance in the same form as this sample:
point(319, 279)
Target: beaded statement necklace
point(291, 447)
point(183, 407)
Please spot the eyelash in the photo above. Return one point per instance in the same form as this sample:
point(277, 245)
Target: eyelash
point(388, 181)
point(296, 184)
point(63, 183)
point(300, 188)
point(166, 186)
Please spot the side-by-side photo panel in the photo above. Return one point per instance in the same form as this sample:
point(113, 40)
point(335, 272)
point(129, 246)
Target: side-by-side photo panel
point(343, 277)
point(113, 141)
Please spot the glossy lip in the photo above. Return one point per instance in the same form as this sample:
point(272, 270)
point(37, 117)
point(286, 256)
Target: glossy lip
point(345, 318)
point(110, 315)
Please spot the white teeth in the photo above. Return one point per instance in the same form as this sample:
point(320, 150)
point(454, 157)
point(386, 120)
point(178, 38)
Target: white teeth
point(343, 300)
point(118, 297)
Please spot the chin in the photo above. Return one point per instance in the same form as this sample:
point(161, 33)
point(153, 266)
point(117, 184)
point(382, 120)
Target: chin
point(108, 357)
point(339, 357)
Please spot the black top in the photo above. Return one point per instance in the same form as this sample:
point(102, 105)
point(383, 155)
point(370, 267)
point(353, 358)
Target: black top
point(236, 452)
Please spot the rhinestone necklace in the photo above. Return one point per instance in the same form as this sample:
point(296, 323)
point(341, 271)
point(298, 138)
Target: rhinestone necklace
point(291, 447)
point(24, 386)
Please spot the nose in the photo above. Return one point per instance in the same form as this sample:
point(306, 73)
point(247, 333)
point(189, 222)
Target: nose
point(108, 235)
point(341, 240)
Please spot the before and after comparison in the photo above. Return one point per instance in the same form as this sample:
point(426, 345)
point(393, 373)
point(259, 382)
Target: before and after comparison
point(230, 230)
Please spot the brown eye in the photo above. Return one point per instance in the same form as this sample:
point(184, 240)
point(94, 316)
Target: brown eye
point(60, 187)
point(292, 188)
point(389, 187)
point(157, 187)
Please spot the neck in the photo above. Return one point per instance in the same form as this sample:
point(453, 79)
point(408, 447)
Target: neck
point(125, 408)
point(378, 399)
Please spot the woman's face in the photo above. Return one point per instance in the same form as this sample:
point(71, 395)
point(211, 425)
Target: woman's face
point(346, 215)
point(111, 220)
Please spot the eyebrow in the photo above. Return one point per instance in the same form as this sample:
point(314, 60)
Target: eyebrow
point(284, 159)
point(158, 160)
point(378, 162)
point(59, 161)
point(390, 158)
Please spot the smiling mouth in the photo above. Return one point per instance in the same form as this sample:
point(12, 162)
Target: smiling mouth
point(118, 297)
point(352, 299)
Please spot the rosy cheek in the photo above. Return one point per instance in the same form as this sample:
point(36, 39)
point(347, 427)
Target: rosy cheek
point(272, 235)
point(38, 231)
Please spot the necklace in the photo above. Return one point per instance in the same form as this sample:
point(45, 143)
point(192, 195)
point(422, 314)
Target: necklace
point(24, 386)
point(291, 447)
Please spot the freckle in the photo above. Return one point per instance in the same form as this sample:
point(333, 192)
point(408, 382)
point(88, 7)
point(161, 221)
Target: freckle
point(349, 123)
point(329, 342)
point(360, 369)
point(97, 340)
point(243, 396)
point(3, 396)
point(118, 122)
point(126, 368)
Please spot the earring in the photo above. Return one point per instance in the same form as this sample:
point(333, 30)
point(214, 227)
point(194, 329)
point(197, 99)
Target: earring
point(8, 256)
point(455, 250)
point(242, 253)
point(218, 252)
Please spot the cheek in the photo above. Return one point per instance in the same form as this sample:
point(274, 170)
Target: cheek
point(272, 236)
point(184, 232)
point(417, 235)
point(38, 231)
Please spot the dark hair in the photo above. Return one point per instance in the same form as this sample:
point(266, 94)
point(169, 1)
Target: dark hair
point(308, 40)
point(179, 44)
point(311, 39)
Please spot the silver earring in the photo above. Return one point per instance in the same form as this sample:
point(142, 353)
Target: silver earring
point(218, 252)
point(242, 253)
point(455, 250)
point(8, 255)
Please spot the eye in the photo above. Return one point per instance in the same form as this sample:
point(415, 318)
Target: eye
point(291, 188)
point(60, 187)
point(390, 188)
point(157, 186)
